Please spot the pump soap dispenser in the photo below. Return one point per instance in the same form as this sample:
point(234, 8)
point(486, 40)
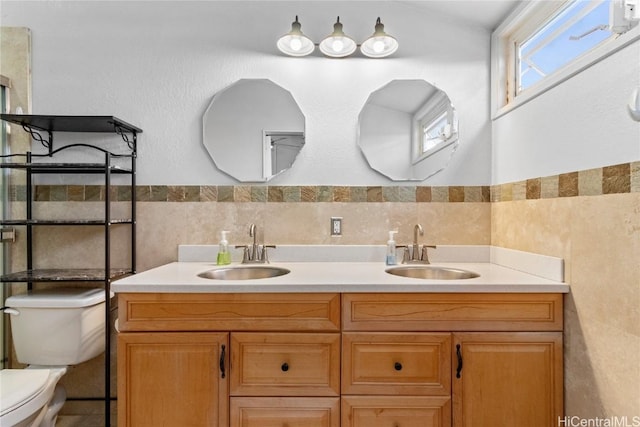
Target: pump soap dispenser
point(391, 249)
point(224, 257)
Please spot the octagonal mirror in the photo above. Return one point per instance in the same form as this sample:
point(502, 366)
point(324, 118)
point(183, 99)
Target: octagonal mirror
point(408, 130)
point(253, 130)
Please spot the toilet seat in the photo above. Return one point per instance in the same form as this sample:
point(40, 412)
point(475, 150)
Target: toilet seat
point(23, 391)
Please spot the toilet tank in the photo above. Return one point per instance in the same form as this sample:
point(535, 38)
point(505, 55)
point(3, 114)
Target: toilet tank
point(58, 326)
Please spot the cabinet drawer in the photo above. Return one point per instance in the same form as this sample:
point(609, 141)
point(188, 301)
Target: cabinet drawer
point(285, 411)
point(452, 312)
point(277, 364)
point(228, 312)
point(401, 411)
point(396, 363)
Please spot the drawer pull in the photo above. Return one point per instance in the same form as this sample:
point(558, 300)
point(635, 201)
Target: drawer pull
point(459, 354)
point(284, 367)
point(397, 366)
point(222, 367)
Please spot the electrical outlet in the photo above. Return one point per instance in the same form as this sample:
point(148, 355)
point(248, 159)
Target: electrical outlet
point(336, 226)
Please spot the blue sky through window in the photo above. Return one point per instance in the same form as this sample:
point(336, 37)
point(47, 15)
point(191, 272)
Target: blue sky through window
point(576, 30)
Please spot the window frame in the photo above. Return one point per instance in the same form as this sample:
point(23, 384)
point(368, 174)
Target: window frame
point(519, 25)
point(432, 124)
point(427, 116)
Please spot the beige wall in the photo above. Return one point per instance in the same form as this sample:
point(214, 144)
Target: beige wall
point(163, 226)
point(599, 239)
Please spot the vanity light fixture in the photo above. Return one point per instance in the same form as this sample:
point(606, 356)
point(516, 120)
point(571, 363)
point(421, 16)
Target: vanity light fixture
point(380, 44)
point(338, 44)
point(295, 43)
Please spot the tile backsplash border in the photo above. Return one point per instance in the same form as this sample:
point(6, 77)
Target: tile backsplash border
point(616, 179)
point(257, 194)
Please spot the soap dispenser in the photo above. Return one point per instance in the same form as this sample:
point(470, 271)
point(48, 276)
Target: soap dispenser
point(224, 257)
point(391, 249)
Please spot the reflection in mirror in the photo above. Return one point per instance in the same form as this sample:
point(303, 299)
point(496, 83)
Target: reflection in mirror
point(281, 150)
point(408, 130)
point(253, 130)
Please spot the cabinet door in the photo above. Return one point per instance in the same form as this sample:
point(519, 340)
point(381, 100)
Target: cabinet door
point(507, 379)
point(172, 379)
point(396, 411)
point(285, 411)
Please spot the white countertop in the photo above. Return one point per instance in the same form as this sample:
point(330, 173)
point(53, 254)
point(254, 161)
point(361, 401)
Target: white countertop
point(179, 277)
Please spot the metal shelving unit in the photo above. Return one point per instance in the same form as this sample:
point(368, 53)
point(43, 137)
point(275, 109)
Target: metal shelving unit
point(42, 129)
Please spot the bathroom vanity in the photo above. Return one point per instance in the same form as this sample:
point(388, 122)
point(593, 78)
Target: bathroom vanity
point(339, 344)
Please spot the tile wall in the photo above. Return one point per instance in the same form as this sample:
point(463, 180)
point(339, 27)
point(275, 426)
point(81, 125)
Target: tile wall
point(592, 220)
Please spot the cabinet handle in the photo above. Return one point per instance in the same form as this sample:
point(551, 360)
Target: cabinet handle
point(397, 366)
point(459, 354)
point(284, 367)
point(222, 366)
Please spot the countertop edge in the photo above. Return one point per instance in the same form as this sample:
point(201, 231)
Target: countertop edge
point(325, 277)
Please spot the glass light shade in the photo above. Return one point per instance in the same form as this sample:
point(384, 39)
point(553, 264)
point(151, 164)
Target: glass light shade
point(380, 44)
point(294, 43)
point(338, 44)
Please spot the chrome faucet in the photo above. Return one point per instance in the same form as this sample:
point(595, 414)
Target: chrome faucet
point(254, 253)
point(254, 246)
point(415, 248)
point(413, 254)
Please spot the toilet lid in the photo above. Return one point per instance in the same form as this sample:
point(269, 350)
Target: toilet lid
point(18, 386)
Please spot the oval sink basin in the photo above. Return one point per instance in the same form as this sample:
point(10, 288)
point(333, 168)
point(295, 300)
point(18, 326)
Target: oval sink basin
point(432, 272)
point(244, 273)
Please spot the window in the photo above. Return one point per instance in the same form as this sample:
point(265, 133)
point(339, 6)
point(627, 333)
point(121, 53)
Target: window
point(436, 125)
point(575, 30)
point(434, 132)
point(543, 43)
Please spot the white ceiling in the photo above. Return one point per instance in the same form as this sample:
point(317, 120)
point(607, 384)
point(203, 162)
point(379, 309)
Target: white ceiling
point(484, 13)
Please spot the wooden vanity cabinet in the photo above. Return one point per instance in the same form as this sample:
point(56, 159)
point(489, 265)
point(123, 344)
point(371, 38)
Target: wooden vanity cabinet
point(505, 360)
point(220, 360)
point(331, 360)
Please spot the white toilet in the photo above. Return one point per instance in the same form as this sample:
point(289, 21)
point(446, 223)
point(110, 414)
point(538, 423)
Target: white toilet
point(51, 330)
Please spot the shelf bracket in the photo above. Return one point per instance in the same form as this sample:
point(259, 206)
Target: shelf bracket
point(125, 136)
point(37, 136)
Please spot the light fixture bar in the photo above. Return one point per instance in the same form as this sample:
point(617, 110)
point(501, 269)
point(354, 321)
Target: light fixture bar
point(337, 44)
